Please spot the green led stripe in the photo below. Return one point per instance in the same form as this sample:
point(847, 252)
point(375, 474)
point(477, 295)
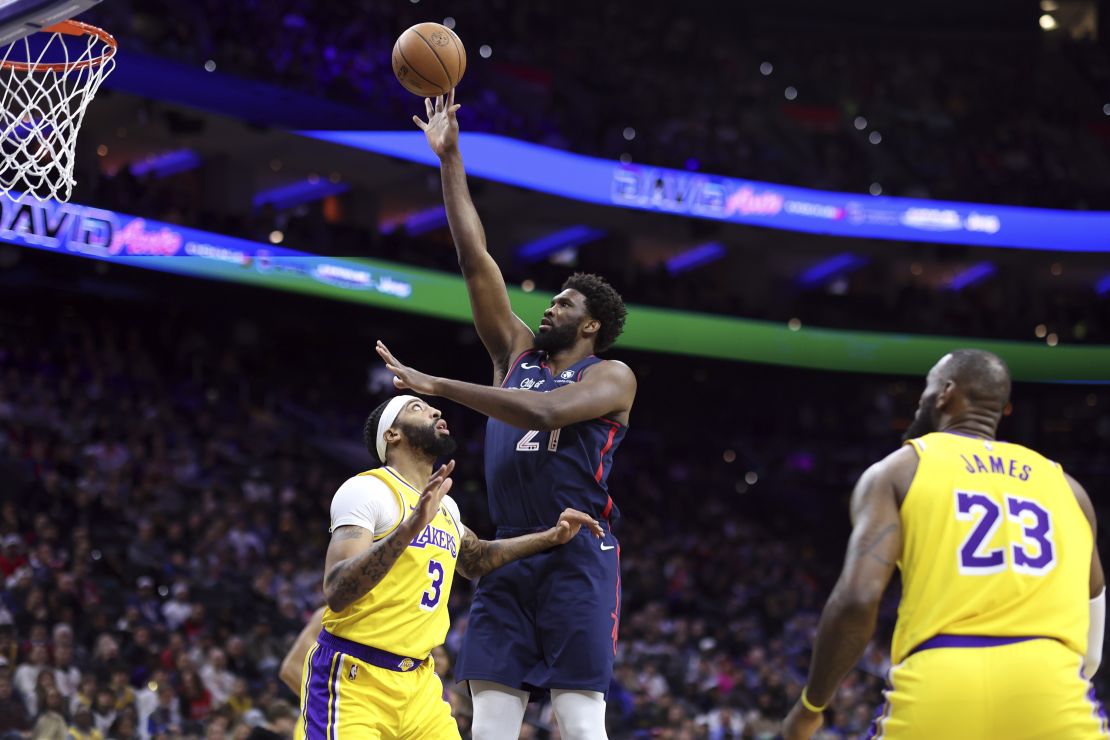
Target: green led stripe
point(443, 295)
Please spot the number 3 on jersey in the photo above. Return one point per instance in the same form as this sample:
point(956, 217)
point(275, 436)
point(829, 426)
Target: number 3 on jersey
point(1035, 555)
point(429, 601)
point(527, 445)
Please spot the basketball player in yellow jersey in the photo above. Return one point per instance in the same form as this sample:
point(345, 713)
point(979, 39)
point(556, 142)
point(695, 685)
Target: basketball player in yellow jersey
point(1003, 602)
point(388, 575)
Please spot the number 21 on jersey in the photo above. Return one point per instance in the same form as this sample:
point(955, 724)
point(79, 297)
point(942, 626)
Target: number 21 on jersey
point(1034, 555)
point(526, 443)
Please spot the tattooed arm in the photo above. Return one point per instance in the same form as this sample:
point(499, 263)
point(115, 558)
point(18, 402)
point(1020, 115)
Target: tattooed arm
point(478, 557)
point(355, 563)
point(848, 620)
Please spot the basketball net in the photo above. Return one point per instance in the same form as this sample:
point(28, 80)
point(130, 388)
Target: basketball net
point(45, 88)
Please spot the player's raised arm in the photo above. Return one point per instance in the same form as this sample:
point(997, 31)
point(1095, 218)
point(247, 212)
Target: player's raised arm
point(607, 390)
point(1096, 630)
point(848, 620)
point(478, 557)
point(503, 333)
point(355, 563)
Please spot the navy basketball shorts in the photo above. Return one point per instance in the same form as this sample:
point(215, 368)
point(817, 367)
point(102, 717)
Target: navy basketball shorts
point(548, 621)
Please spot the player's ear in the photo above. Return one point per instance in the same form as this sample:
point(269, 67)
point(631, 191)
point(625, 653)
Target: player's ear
point(392, 435)
point(591, 327)
point(946, 395)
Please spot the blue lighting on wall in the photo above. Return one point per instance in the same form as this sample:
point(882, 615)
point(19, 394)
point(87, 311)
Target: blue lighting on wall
point(569, 238)
point(166, 163)
point(417, 222)
point(302, 191)
point(974, 274)
point(830, 268)
point(1102, 287)
point(695, 257)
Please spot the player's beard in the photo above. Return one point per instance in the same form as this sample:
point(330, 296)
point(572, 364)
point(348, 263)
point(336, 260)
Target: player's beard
point(925, 421)
point(556, 339)
point(425, 439)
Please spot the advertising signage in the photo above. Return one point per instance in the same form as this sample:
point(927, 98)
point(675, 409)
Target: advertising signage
point(730, 199)
point(118, 238)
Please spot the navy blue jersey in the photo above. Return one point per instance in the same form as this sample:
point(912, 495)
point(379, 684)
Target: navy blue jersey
point(533, 475)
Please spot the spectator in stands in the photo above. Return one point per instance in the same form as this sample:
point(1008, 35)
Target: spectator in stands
point(709, 645)
point(26, 678)
point(13, 711)
point(219, 681)
point(176, 611)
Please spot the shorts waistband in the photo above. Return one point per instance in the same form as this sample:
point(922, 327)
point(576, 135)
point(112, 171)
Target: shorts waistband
point(969, 641)
point(371, 655)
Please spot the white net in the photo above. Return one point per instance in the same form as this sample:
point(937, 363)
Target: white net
point(46, 82)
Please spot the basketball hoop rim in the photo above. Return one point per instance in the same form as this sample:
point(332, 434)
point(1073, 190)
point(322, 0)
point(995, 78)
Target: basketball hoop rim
point(69, 28)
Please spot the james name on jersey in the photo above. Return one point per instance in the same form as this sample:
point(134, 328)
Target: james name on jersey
point(998, 466)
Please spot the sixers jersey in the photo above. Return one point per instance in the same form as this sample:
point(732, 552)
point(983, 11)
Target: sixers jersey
point(994, 543)
point(534, 475)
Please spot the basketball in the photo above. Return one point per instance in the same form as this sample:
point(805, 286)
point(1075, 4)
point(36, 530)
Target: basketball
point(429, 59)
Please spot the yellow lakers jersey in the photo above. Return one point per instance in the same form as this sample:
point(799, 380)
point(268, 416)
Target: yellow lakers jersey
point(994, 544)
point(406, 613)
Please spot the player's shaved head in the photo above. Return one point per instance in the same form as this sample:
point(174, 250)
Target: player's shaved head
point(967, 386)
point(981, 376)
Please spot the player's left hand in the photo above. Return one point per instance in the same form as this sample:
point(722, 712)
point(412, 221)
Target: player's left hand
point(405, 378)
point(572, 520)
point(442, 128)
point(801, 723)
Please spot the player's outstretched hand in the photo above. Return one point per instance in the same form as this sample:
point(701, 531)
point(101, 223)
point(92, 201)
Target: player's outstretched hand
point(801, 723)
point(438, 486)
point(572, 520)
point(405, 378)
point(441, 128)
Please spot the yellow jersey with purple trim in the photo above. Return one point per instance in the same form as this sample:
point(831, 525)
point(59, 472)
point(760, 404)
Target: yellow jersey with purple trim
point(994, 544)
point(406, 613)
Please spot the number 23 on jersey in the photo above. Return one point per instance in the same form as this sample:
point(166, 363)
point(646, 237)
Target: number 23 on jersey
point(1034, 553)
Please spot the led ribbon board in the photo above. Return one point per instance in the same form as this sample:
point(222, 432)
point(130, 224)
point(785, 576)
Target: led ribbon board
point(748, 202)
point(138, 242)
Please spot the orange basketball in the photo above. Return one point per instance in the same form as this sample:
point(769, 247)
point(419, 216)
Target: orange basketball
point(429, 59)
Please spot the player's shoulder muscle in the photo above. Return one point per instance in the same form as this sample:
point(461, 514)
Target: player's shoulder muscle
point(894, 473)
point(611, 371)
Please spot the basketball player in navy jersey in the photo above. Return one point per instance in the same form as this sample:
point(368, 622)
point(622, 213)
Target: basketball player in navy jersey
point(549, 622)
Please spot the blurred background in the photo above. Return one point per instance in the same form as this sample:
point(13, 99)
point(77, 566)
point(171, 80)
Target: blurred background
point(169, 444)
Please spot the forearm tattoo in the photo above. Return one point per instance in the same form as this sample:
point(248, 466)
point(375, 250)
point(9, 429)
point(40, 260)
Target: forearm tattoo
point(351, 579)
point(479, 557)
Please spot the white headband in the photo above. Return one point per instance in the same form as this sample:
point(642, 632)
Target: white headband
point(389, 415)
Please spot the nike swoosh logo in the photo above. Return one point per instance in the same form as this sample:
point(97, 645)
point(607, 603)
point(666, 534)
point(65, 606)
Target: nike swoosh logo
point(526, 366)
point(610, 547)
